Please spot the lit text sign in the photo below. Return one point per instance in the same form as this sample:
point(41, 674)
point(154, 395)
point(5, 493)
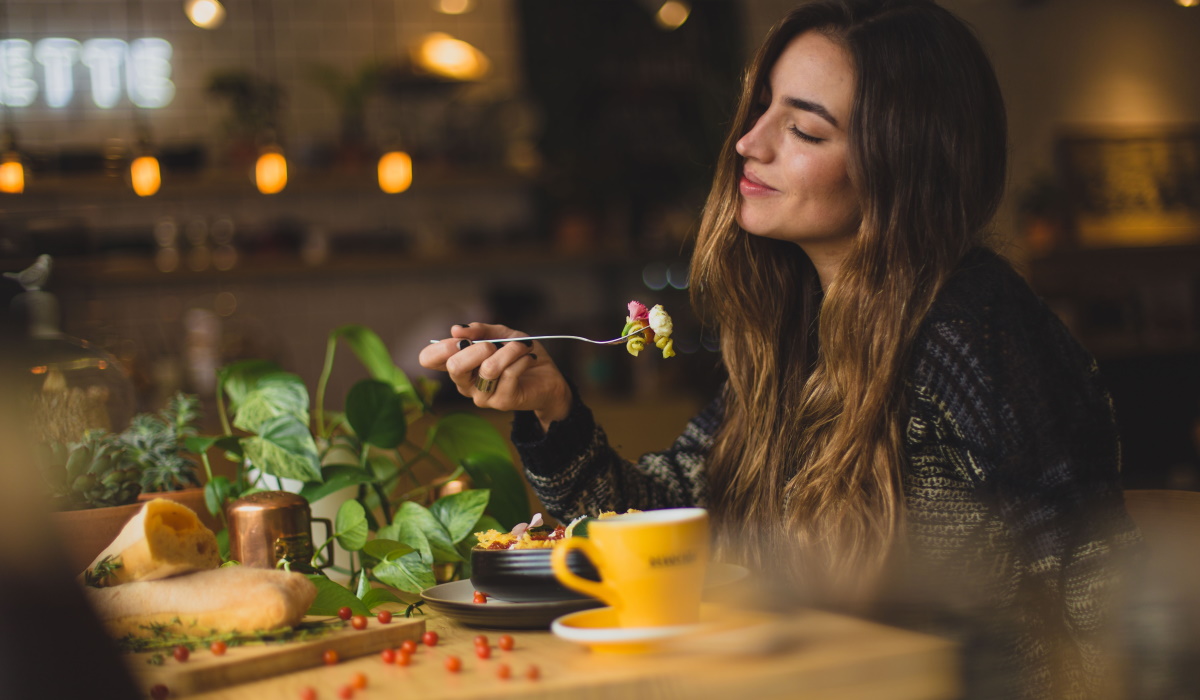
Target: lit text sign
point(142, 67)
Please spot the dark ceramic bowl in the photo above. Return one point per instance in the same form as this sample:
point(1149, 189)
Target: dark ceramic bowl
point(524, 575)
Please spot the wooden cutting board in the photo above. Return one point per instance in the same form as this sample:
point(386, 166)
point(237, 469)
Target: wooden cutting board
point(205, 671)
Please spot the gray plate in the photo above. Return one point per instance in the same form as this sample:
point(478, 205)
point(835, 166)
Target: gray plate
point(455, 599)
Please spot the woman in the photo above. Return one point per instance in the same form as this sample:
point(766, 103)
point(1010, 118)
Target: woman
point(900, 408)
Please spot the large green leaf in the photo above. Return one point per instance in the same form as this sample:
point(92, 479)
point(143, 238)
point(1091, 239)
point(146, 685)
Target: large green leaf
point(384, 467)
point(332, 596)
point(284, 447)
point(414, 515)
point(386, 549)
point(459, 512)
point(375, 357)
point(408, 573)
point(239, 378)
point(378, 596)
point(336, 477)
point(216, 492)
point(409, 533)
point(376, 413)
point(276, 394)
point(350, 526)
point(510, 500)
point(460, 435)
point(199, 444)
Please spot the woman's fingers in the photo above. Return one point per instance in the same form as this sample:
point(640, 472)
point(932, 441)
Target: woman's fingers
point(504, 393)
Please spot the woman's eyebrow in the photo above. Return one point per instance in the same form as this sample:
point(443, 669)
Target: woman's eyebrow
point(819, 110)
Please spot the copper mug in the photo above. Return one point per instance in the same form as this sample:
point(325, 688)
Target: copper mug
point(268, 527)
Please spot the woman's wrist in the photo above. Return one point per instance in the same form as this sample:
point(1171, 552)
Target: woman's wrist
point(557, 408)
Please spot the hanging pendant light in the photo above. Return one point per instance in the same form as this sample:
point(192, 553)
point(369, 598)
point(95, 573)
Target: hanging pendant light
point(270, 171)
point(206, 14)
point(12, 170)
point(145, 175)
point(395, 172)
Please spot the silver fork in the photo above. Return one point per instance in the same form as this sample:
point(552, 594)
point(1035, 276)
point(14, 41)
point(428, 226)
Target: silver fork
point(614, 341)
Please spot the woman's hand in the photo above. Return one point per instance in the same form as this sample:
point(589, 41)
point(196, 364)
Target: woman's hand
point(515, 376)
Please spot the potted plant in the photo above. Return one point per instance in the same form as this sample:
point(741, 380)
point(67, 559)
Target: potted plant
point(95, 483)
point(387, 443)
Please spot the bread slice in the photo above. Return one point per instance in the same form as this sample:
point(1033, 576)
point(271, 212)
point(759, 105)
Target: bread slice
point(164, 539)
point(228, 599)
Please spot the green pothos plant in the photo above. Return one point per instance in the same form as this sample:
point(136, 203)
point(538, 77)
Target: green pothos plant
point(388, 443)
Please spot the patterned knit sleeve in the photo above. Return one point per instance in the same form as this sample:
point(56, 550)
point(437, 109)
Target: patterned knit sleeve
point(1024, 416)
point(575, 471)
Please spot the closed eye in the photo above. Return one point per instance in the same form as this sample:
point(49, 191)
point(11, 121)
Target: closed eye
point(809, 138)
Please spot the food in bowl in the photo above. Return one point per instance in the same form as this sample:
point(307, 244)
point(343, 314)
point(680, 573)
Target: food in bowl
point(515, 566)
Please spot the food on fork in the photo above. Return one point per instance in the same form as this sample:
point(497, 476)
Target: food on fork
point(653, 325)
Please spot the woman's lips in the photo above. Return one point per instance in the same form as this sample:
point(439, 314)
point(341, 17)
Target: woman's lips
point(750, 186)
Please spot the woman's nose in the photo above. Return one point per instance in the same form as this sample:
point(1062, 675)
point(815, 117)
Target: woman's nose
point(751, 144)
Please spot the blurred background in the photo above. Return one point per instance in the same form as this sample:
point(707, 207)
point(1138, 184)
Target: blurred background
point(220, 181)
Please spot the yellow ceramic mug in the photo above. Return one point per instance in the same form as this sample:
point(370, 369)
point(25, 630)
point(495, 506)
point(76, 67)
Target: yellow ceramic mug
point(651, 565)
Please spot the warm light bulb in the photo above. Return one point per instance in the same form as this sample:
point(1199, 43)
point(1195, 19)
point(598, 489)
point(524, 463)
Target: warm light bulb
point(1187, 3)
point(206, 14)
point(444, 55)
point(145, 176)
point(270, 172)
point(12, 174)
point(395, 172)
point(453, 7)
point(672, 14)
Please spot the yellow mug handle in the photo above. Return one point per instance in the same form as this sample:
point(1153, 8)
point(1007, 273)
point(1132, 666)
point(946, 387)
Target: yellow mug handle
point(558, 562)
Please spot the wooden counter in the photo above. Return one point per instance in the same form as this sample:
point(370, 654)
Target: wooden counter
point(817, 656)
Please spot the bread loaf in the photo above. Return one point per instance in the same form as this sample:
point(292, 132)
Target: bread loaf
point(228, 599)
point(164, 539)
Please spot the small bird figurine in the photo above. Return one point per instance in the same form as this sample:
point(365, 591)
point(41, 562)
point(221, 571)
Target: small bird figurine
point(35, 276)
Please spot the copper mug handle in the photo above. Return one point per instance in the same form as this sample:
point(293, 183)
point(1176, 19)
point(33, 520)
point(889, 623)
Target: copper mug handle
point(328, 541)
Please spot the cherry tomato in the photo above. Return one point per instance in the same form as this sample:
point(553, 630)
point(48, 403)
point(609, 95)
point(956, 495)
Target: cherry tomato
point(388, 656)
point(218, 648)
point(533, 672)
point(503, 672)
point(181, 653)
point(346, 692)
point(330, 657)
point(483, 651)
point(430, 639)
point(453, 664)
point(408, 646)
point(308, 693)
point(160, 692)
point(479, 597)
point(403, 658)
point(506, 642)
point(481, 639)
point(358, 622)
point(384, 616)
point(359, 680)
point(345, 613)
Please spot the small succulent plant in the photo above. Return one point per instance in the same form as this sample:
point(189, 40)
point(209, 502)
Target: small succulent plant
point(107, 469)
point(155, 444)
point(91, 473)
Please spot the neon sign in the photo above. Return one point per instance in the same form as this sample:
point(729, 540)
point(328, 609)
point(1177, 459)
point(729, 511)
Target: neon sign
point(143, 66)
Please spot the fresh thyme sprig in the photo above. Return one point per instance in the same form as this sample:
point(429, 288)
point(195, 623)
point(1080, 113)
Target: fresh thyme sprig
point(162, 637)
point(98, 576)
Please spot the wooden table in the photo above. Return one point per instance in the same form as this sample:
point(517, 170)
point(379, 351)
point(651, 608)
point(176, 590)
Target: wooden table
point(827, 657)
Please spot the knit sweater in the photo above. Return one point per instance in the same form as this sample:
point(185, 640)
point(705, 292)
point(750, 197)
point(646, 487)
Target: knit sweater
point(1013, 503)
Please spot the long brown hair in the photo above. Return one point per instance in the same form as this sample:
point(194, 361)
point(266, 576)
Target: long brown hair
point(805, 470)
